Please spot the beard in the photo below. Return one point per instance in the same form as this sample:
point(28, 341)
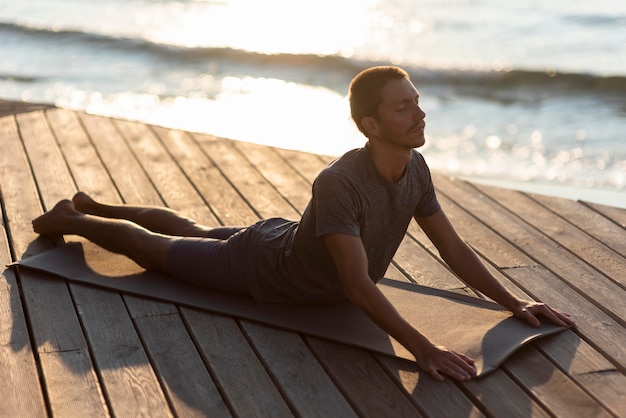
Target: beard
point(409, 140)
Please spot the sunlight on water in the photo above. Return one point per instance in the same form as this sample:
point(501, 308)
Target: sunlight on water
point(270, 26)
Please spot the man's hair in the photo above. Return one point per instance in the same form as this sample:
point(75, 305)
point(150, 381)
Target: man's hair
point(365, 91)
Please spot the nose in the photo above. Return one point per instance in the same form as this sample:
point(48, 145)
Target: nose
point(419, 112)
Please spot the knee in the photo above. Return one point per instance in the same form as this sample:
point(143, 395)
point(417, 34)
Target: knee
point(151, 252)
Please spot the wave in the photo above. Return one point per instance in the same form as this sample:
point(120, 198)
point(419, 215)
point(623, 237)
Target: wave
point(19, 78)
point(466, 80)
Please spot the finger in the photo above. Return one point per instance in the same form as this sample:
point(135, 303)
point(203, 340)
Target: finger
point(449, 368)
point(552, 315)
point(457, 371)
point(465, 363)
point(556, 319)
point(468, 366)
point(529, 317)
point(457, 366)
point(467, 359)
point(565, 317)
point(435, 374)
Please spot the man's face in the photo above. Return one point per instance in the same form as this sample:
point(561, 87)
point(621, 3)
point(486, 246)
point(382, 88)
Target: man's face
point(401, 120)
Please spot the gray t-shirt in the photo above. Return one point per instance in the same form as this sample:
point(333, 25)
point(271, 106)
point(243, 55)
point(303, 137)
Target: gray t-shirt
point(289, 262)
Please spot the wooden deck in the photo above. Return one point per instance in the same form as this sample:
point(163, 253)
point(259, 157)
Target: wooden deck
point(73, 350)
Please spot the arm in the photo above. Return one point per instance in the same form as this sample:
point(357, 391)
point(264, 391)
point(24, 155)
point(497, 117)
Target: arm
point(351, 261)
point(465, 263)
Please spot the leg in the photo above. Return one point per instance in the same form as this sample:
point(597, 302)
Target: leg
point(156, 219)
point(223, 232)
point(211, 263)
point(146, 248)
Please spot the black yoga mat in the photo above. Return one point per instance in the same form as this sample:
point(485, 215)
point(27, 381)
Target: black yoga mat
point(476, 327)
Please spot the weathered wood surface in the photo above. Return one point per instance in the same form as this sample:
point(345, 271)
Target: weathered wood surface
point(74, 350)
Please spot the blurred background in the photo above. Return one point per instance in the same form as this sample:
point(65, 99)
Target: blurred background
point(523, 94)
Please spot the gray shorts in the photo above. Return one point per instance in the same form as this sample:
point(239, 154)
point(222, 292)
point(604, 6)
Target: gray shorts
point(215, 262)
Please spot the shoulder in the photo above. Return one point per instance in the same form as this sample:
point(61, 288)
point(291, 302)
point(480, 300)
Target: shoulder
point(345, 167)
point(419, 166)
point(347, 160)
point(417, 159)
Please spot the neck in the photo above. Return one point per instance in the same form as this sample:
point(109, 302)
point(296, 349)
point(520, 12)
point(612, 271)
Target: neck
point(390, 161)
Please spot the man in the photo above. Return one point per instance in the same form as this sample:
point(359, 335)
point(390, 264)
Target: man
point(360, 209)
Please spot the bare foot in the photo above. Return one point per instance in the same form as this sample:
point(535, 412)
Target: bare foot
point(57, 221)
point(84, 203)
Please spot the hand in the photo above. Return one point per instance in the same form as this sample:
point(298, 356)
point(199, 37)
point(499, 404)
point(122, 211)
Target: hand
point(437, 360)
point(529, 311)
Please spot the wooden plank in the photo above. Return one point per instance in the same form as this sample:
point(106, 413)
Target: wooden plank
point(227, 204)
point(261, 195)
point(494, 251)
point(11, 107)
point(596, 374)
point(306, 164)
point(422, 268)
point(438, 399)
point(171, 184)
point(83, 160)
point(591, 221)
point(501, 396)
point(551, 387)
point(243, 379)
point(183, 374)
point(617, 215)
point(141, 307)
point(127, 176)
point(582, 244)
point(600, 330)
point(21, 389)
point(477, 234)
point(56, 328)
point(21, 393)
point(131, 385)
point(573, 271)
point(371, 391)
point(175, 357)
point(301, 378)
point(70, 381)
point(292, 187)
point(49, 169)
point(185, 380)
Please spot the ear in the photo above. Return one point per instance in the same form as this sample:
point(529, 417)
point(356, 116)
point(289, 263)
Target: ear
point(370, 124)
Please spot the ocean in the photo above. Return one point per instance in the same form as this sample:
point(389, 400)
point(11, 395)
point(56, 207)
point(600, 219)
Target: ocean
point(525, 94)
